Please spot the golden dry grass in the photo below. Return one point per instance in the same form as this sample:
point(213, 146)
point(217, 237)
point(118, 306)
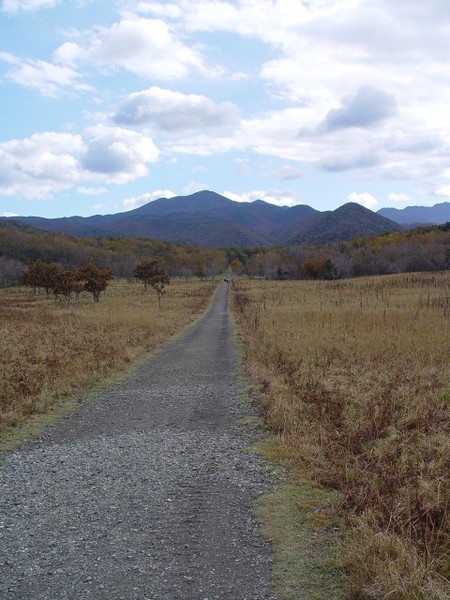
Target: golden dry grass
point(354, 376)
point(48, 352)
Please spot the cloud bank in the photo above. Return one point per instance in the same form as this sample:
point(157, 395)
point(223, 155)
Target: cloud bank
point(45, 163)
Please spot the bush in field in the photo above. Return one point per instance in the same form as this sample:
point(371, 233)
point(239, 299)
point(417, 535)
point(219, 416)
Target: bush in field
point(151, 274)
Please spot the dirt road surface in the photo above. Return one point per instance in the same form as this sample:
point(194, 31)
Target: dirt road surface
point(144, 493)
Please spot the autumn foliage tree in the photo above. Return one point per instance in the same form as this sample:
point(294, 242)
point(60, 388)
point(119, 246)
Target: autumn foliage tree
point(41, 275)
point(143, 271)
point(65, 282)
point(95, 279)
point(64, 285)
point(317, 268)
point(151, 274)
point(49, 276)
point(32, 276)
point(313, 268)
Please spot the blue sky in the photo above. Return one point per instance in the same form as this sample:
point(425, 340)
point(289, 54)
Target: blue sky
point(108, 105)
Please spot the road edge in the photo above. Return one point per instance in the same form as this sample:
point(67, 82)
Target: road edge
point(15, 437)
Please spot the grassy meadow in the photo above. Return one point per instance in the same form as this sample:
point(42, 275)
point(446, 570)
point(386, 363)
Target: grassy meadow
point(49, 352)
point(353, 377)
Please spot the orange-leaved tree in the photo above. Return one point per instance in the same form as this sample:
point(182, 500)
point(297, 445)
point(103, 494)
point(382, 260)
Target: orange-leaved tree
point(313, 268)
point(41, 275)
point(64, 285)
point(150, 273)
point(95, 279)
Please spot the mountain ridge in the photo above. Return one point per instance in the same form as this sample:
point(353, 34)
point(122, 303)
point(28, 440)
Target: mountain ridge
point(418, 215)
point(206, 218)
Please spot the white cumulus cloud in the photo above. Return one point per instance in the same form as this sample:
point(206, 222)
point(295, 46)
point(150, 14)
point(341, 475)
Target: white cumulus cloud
point(118, 155)
point(399, 197)
point(332, 86)
point(9, 58)
point(367, 107)
point(278, 197)
point(136, 201)
point(175, 112)
point(45, 77)
point(194, 186)
point(349, 71)
point(443, 191)
point(363, 198)
point(40, 165)
point(49, 162)
point(143, 46)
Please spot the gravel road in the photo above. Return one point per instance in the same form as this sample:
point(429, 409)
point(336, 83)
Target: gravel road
point(144, 493)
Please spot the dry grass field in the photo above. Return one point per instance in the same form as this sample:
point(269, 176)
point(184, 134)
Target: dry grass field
point(49, 352)
point(354, 378)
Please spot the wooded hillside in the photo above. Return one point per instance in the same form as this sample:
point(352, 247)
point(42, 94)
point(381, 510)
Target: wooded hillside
point(420, 249)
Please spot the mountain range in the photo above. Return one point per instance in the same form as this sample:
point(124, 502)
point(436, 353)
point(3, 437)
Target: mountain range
point(209, 219)
point(418, 215)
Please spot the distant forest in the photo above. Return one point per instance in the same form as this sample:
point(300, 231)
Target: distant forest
point(420, 249)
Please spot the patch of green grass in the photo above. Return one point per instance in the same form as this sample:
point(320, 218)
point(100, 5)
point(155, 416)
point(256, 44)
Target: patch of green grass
point(305, 529)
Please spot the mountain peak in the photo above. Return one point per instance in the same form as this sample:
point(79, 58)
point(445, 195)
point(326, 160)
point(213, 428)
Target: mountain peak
point(192, 204)
point(206, 218)
point(352, 206)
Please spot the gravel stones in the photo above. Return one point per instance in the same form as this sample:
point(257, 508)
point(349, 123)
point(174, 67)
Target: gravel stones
point(145, 492)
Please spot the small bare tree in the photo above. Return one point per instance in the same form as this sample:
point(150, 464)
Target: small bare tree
point(158, 283)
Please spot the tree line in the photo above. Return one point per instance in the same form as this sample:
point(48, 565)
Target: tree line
point(420, 249)
point(121, 255)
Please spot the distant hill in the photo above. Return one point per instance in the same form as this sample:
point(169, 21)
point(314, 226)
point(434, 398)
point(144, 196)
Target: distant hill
point(344, 223)
point(418, 215)
point(209, 219)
